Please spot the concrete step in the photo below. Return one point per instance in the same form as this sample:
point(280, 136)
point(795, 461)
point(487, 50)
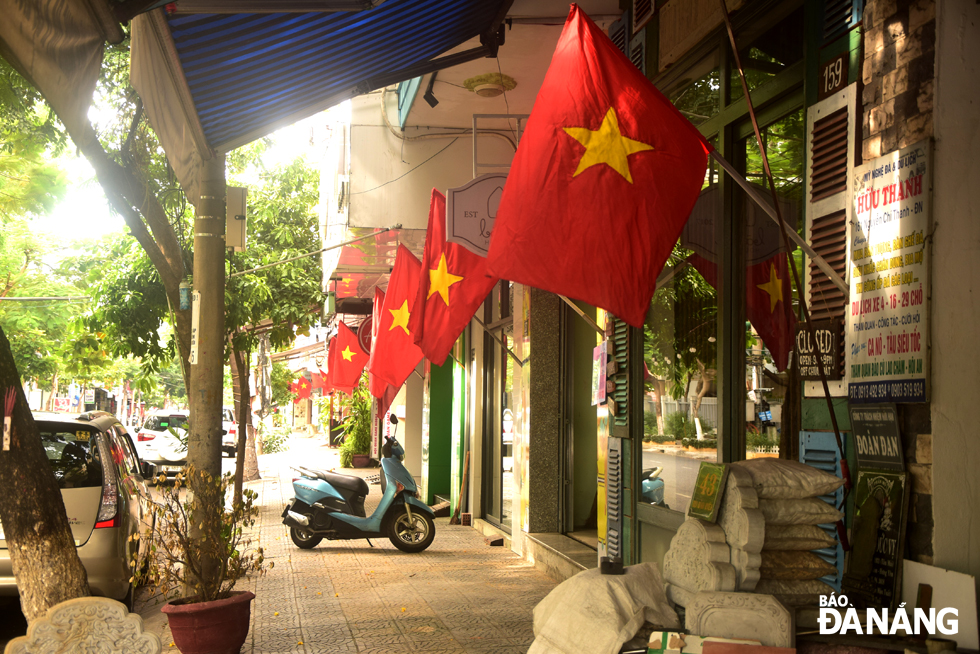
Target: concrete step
point(559, 556)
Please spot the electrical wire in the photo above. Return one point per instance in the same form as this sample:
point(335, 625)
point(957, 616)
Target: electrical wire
point(463, 131)
point(390, 181)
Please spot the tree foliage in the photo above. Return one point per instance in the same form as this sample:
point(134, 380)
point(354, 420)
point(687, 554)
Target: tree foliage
point(282, 224)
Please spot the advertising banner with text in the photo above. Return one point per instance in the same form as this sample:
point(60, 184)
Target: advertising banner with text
point(888, 316)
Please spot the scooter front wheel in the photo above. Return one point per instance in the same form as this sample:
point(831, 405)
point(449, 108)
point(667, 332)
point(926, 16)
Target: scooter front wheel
point(411, 533)
point(303, 539)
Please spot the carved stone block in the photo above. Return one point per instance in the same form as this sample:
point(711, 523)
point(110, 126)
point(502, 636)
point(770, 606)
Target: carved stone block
point(87, 624)
point(740, 615)
point(746, 566)
point(699, 558)
point(739, 515)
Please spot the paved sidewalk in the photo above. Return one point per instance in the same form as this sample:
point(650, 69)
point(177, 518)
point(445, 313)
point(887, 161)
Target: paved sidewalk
point(458, 596)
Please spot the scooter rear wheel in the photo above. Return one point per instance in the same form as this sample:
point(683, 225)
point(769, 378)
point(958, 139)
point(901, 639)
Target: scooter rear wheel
point(411, 534)
point(304, 540)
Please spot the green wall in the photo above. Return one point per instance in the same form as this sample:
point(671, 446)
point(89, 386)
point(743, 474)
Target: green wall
point(437, 443)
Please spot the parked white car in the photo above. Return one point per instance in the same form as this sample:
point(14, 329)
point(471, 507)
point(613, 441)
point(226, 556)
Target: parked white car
point(229, 442)
point(158, 445)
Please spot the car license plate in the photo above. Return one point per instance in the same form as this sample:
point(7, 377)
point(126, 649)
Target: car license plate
point(171, 468)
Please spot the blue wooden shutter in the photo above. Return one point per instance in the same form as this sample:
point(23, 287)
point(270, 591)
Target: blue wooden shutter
point(839, 16)
point(819, 449)
point(638, 51)
point(618, 32)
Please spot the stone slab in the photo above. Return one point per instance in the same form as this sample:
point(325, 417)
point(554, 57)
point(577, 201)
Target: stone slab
point(741, 615)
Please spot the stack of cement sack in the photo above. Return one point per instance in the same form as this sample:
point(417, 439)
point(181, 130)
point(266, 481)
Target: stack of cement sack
point(789, 501)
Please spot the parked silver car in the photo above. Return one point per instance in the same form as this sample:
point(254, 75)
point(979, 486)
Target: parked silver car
point(106, 498)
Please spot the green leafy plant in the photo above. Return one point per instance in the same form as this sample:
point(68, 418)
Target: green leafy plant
point(357, 427)
point(205, 563)
point(276, 439)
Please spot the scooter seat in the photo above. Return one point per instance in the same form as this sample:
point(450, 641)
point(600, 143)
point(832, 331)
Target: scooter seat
point(347, 482)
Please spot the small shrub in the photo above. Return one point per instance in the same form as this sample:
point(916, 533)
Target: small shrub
point(203, 566)
point(649, 423)
point(704, 444)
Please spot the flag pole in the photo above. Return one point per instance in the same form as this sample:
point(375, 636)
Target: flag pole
point(502, 344)
point(753, 193)
point(592, 323)
point(845, 472)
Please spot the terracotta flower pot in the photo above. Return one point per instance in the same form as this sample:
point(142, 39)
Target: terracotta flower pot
point(218, 627)
point(360, 460)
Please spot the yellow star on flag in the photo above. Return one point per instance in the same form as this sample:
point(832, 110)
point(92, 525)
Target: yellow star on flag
point(774, 287)
point(440, 279)
point(347, 353)
point(303, 384)
point(399, 316)
point(606, 145)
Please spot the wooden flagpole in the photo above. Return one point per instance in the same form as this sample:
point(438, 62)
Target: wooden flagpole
point(845, 472)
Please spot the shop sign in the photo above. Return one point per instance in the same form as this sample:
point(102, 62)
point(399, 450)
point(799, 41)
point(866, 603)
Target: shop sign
point(874, 570)
point(471, 211)
point(708, 490)
point(826, 340)
point(599, 374)
point(877, 443)
point(888, 313)
point(364, 334)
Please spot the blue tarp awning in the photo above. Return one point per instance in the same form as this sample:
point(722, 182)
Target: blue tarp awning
point(213, 82)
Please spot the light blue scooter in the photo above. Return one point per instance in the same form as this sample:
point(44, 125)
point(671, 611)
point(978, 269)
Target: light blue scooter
point(331, 505)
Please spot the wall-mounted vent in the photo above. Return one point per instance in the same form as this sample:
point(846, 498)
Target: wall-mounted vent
point(829, 144)
point(643, 11)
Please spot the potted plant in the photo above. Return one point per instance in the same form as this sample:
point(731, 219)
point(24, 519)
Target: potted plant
point(357, 428)
point(197, 558)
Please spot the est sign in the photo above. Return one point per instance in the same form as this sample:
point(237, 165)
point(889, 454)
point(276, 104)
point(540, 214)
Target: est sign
point(471, 211)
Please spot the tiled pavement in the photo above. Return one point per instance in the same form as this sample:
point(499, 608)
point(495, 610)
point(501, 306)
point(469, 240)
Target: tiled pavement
point(458, 596)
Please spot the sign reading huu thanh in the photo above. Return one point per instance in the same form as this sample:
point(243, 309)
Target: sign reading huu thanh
point(888, 315)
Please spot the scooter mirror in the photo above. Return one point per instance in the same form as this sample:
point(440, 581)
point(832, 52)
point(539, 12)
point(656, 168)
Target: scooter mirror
point(393, 419)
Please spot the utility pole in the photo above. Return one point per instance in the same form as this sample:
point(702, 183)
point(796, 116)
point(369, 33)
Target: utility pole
point(208, 321)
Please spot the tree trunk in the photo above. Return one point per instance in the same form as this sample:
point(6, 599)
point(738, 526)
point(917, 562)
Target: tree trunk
point(246, 462)
point(54, 392)
point(791, 421)
point(35, 525)
point(658, 389)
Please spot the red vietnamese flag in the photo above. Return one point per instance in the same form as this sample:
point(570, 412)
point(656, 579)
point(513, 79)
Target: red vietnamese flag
point(768, 302)
point(301, 388)
point(394, 354)
point(376, 385)
point(345, 359)
point(453, 282)
point(603, 181)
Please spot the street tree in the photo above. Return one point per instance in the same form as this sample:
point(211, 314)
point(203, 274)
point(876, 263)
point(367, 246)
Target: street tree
point(39, 543)
point(279, 301)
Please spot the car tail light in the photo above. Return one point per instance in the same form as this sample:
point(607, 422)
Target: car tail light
point(112, 522)
point(234, 430)
point(145, 436)
point(109, 505)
